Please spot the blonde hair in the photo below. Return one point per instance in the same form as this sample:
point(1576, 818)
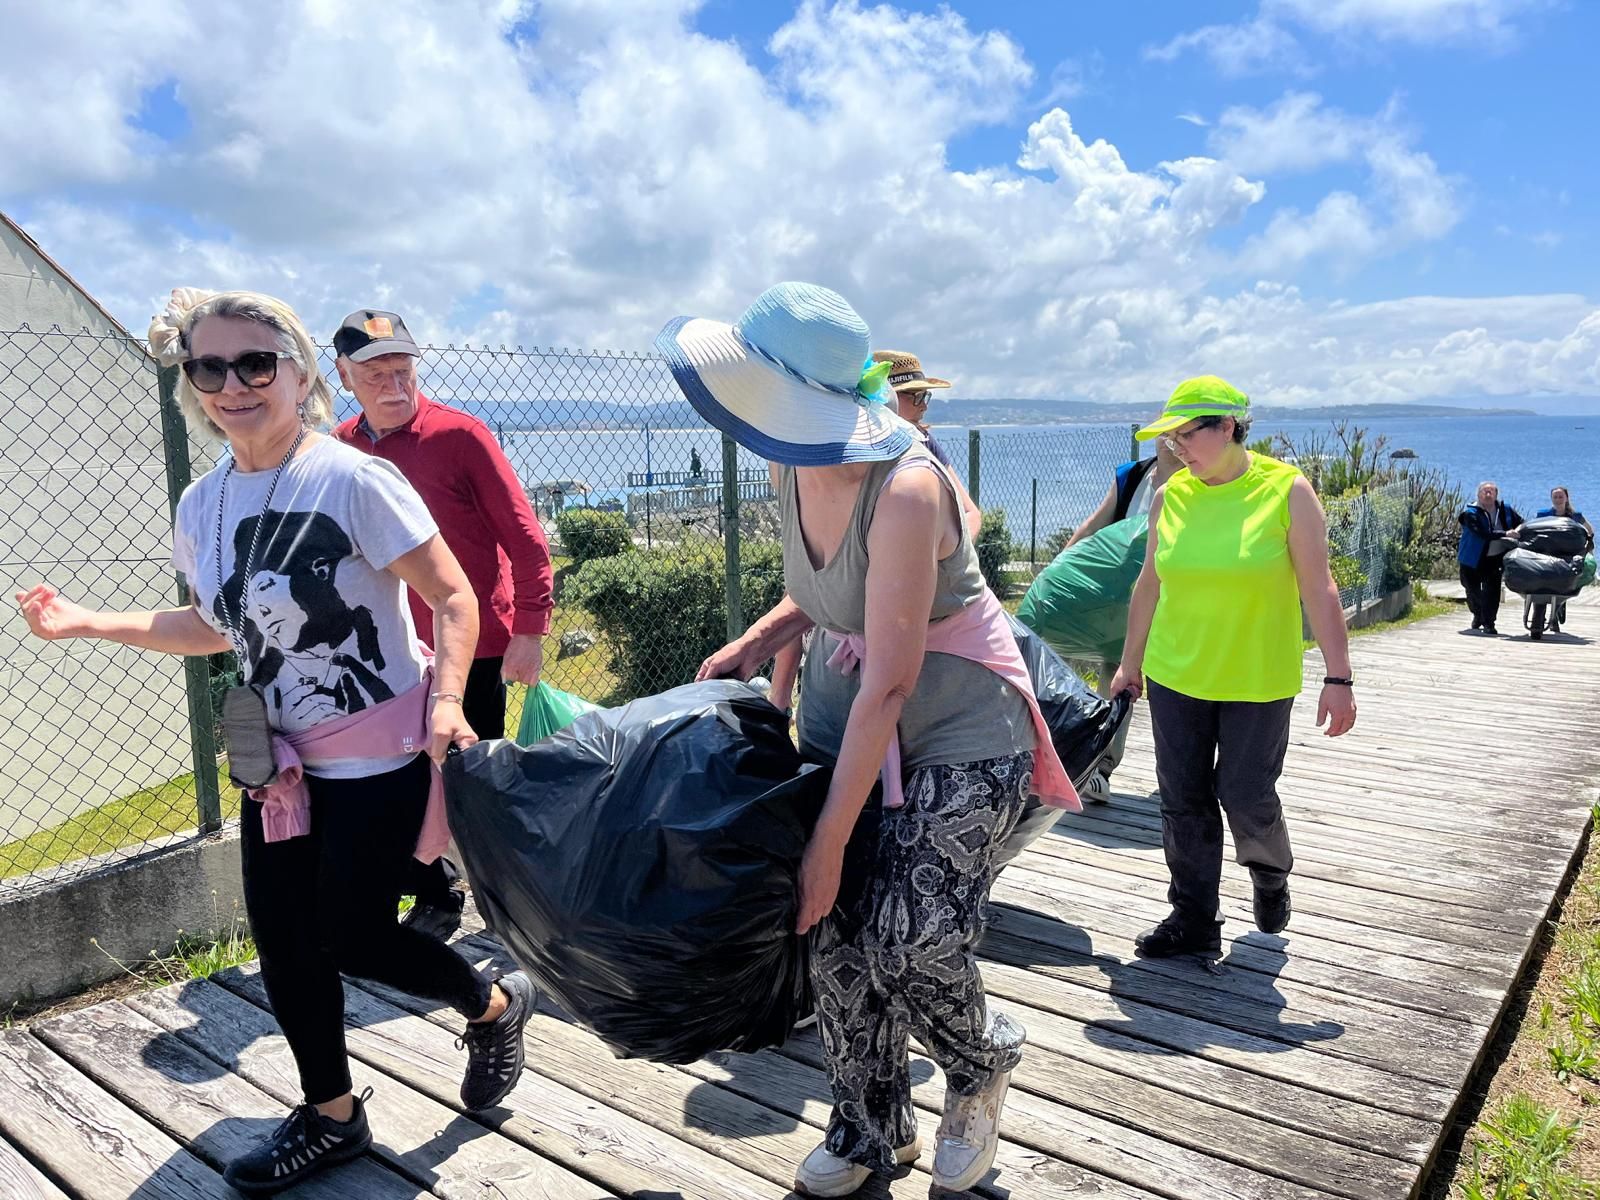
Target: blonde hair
point(293, 340)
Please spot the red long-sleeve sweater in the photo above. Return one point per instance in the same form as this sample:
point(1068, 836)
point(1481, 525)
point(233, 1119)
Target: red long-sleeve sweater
point(473, 492)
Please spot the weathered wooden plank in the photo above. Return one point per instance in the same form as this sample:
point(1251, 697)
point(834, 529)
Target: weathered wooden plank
point(1071, 1143)
point(196, 1101)
point(1331, 910)
point(1109, 906)
point(454, 1156)
point(98, 1147)
point(744, 1128)
point(21, 1180)
point(624, 1154)
point(1253, 961)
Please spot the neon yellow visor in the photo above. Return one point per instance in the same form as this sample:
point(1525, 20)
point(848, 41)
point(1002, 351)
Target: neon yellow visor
point(1202, 396)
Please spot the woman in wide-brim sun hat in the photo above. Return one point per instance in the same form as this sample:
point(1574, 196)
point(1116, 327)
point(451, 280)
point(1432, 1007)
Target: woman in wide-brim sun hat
point(914, 676)
point(1238, 546)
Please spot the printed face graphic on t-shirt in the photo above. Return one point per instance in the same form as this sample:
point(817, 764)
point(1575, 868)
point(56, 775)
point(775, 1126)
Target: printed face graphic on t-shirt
point(312, 654)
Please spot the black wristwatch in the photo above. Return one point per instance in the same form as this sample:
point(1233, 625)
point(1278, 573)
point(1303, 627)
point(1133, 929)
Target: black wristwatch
point(1338, 681)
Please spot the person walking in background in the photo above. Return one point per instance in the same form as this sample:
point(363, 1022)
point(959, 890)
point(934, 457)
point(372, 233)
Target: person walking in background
point(1482, 523)
point(1238, 542)
point(917, 680)
point(298, 552)
point(473, 494)
point(1133, 489)
point(1561, 506)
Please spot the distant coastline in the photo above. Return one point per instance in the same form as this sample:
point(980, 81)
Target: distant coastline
point(1080, 412)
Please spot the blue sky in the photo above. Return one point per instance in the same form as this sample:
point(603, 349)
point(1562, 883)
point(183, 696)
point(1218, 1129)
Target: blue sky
point(1514, 120)
point(1332, 200)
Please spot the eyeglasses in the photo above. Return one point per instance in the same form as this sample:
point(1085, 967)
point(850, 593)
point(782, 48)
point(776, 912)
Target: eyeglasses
point(919, 397)
point(1179, 440)
point(253, 368)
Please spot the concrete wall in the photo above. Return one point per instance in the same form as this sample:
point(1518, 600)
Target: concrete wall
point(83, 506)
point(129, 907)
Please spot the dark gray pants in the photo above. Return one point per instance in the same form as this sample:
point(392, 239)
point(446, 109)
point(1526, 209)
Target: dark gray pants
point(1219, 754)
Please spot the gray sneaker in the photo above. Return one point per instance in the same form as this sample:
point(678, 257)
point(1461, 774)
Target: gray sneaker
point(969, 1135)
point(494, 1048)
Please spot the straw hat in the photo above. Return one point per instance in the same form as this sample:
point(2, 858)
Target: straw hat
point(792, 380)
point(905, 372)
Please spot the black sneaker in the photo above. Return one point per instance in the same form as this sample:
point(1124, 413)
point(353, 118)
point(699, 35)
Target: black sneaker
point(439, 920)
point(1173, 937)
point(304, 1144)
point(1272, 909)
point(1491, 631)
point(1477, 622)
point(494, 1048)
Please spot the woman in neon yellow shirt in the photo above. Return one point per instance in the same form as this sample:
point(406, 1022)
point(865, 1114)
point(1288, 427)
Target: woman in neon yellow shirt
point(1238, 542)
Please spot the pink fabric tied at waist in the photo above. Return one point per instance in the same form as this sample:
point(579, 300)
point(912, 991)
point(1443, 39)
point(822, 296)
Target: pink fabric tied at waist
point(396, 726)
point(979, 633)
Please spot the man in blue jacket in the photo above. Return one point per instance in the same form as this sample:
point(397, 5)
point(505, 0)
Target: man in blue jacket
point(1481, 523)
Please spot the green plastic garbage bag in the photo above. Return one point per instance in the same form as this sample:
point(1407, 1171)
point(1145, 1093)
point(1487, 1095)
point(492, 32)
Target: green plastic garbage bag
point(548, 709)
point(1079, 603)
point(1585, 579)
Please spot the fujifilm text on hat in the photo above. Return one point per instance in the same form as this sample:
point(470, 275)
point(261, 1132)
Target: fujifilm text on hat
point(370, 332)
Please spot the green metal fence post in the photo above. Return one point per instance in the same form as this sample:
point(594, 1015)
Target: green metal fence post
point(1033, 527)
point(1133, 441)
point(974, 463)
point(196, 670)
point(730, 536)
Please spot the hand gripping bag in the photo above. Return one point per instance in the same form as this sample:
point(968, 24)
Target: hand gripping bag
point(1079, 603)
point(641, 865)
point(1082, 726)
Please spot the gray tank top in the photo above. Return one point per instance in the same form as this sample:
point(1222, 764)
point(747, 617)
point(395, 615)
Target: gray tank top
point(960, 711)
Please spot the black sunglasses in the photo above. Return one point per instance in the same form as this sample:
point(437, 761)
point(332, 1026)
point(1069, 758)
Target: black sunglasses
point(254, 369)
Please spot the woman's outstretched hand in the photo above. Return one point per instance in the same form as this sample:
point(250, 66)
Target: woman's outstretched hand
point(737, 660)
point(53, 617)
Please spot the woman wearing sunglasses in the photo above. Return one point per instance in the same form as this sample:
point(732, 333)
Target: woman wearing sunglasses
point(1238, 542)
point(298, 550)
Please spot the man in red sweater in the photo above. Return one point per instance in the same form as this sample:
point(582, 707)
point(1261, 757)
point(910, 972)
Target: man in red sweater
point(475, 497)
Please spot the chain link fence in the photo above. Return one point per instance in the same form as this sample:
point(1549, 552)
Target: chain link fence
point(664, 537)
point(1367, 537)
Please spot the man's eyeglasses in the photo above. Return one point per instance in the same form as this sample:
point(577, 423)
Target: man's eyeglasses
point(1178, 441)
point(253, 368)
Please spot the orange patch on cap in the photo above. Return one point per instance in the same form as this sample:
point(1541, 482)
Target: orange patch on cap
point(378, 327)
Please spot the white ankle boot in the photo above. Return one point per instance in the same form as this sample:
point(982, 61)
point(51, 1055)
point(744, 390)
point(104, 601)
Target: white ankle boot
point(825, 1174)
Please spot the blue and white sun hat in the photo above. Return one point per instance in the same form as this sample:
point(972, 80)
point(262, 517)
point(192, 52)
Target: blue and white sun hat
point(792, 380)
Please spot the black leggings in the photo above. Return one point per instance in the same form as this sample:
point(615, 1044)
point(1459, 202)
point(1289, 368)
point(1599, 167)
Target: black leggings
point(326, 903)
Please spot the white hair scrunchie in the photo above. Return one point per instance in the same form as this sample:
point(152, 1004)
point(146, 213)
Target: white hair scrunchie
point(164, 328)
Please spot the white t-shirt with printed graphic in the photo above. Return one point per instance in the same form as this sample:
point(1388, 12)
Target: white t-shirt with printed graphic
point(327, 629)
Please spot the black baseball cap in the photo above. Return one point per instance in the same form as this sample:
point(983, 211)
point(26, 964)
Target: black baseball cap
point(369, 332)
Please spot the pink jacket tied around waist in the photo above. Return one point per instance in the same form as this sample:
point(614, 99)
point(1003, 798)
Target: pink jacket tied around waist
point(396, 726)
point(980, 633)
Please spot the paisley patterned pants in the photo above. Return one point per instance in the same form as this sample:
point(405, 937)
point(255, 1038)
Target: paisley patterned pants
point(895, 957)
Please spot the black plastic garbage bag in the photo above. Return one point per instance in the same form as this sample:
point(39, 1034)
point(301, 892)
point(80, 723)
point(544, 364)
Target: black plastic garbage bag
point(641, 865)
point(1531, 574)
point(1561, 537)
point(1082, 726)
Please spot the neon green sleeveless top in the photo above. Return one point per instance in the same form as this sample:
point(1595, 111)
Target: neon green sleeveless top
point(1227, 625)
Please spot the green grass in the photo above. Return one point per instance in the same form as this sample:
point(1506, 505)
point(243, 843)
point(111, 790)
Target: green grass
point(132, 820)
point(1521, 1154)
point(194, 955)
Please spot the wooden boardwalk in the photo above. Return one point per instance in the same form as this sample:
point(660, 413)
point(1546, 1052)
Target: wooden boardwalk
point(1327, 1062)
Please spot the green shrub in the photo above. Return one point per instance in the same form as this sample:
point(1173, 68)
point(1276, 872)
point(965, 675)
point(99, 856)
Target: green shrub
point(994, 549)
point(663, 611)
point(590, 533)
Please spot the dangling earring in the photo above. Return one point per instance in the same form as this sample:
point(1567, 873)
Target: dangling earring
point(302, 411)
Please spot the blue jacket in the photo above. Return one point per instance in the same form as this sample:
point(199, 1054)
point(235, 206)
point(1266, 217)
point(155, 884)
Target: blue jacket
point(1477, 532)
point(1550, 512)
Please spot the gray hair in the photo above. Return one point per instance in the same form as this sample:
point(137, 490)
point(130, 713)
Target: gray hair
point(292, 338)
point(1241, 428)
